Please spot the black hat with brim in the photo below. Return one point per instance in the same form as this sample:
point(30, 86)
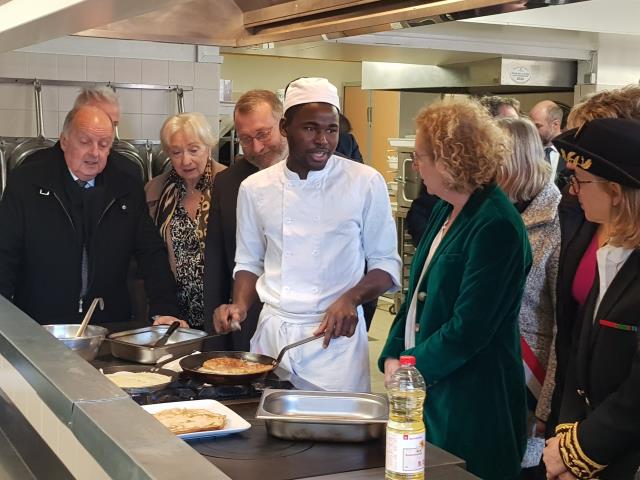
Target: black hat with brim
point(606, 147)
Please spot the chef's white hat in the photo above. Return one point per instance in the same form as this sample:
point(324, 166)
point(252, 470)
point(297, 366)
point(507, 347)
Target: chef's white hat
point(311, 90)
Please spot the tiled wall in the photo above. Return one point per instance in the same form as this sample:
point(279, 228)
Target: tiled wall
point(143, 111)
point(55, 433)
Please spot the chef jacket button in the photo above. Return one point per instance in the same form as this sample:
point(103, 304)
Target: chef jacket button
point(315, 252)
point(288, 220)
point(124, 207)
point(286, 289)
point(417, 327)
point(422, 296)
point(315, 290)
point(316, 219)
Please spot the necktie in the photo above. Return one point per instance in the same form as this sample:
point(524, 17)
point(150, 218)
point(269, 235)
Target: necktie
point(82, 183)
point(547, 154)
point(84, 266)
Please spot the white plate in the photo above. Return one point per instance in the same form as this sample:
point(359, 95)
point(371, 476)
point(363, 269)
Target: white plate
point(234, 423)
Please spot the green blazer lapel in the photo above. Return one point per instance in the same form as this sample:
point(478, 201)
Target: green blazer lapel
point(476, 199)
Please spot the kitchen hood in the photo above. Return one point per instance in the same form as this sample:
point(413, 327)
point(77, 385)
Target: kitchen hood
point(236, 23)
point(496, 75)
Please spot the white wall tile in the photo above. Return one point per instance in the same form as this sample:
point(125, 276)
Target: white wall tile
point(51, 127)
point(13, 64)
point(129, 100)
point(100, 69)
point(72, 67)
point(61, 116)
point(42, 65)
point(207, 75)
point(156, 102)
point(66, 98)
point(17, 97)
point(49, 96)
point(17, 123)
point(128, 70)
point(155, 72)
point(151, 126)
point(181, 73)
point(214, 121)
point(206, 101)
point(130, 126)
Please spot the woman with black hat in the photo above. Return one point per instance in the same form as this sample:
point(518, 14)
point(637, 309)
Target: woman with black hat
point(598, 435)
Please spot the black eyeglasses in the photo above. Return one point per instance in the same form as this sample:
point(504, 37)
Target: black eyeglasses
point(575, 183)
point(262, 136)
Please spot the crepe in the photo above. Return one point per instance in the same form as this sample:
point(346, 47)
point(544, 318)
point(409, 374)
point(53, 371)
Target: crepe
point(137, 379)
point(186, 420)
point(233, 366)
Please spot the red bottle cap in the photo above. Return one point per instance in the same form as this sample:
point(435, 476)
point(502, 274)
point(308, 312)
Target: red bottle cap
point(407, 360)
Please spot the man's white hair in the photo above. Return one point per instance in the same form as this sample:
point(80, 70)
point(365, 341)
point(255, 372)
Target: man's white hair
point(95, 94)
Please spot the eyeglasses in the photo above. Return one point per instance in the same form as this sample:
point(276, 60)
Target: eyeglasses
point(262, 136)
point(575, 183)
point(415, 156)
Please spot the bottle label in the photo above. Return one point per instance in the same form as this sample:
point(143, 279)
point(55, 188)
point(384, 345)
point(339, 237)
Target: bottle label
point(405, 452)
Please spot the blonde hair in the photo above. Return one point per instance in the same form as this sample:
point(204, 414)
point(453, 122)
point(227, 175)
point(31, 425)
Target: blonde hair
point(619, 103)
point(191, 123)
point(625, 222)
point(525, 172)
point(461, 136)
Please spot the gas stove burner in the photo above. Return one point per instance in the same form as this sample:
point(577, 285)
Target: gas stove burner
point(184, 388)
point(250, 445)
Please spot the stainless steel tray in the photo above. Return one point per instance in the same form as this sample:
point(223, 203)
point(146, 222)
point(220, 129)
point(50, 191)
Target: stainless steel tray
point(131, 344)
point(323, 416)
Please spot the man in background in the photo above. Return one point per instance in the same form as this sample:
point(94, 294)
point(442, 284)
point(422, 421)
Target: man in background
point(500, 107)
point(547, 116)
point(256, 120)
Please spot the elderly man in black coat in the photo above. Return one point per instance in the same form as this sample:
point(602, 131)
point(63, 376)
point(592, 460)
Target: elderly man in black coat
point(70, 227)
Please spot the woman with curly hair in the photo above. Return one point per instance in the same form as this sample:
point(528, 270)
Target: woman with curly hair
point(460, 316)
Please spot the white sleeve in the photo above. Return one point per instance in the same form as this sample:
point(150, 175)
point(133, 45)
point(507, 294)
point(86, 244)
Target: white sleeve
point(250, 240)
point(379, 235)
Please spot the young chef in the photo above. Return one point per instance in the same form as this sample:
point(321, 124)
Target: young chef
point(305, 229)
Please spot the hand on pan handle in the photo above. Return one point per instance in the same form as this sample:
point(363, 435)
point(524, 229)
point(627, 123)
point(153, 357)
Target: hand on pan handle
point(340, 320)
point(168, 320)
point(227, 318)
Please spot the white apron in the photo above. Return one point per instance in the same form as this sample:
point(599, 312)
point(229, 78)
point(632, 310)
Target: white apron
point(343, 366)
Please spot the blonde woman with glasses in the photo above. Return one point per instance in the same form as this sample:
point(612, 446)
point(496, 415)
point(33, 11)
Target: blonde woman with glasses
point(179, 202)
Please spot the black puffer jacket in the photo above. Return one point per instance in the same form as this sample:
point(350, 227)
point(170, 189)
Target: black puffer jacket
point(40, 253)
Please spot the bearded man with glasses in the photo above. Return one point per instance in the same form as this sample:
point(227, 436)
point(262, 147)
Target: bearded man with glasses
point(256, 117)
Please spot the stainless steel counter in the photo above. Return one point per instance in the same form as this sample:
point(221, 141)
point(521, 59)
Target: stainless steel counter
point(124, 440)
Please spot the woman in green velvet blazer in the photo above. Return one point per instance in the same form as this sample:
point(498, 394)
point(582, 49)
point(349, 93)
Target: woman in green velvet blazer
point(460, 316)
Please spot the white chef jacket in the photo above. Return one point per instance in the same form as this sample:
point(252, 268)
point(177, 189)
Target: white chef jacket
point(307, 241)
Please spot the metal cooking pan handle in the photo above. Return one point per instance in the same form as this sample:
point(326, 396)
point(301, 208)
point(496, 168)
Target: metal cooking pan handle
point(37, 87)
point(180, 99)
point(294, 345)
point(3, 168)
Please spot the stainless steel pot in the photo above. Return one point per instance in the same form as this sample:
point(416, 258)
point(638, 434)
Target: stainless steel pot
point(131, 153)
point(31, 145)
point(86, 346)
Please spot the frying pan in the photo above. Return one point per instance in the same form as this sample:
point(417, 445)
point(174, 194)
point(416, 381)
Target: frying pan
point(31, 145)
point(143, 368)
point(191, 365)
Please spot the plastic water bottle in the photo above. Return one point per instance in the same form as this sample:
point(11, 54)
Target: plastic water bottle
point(405, 455)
